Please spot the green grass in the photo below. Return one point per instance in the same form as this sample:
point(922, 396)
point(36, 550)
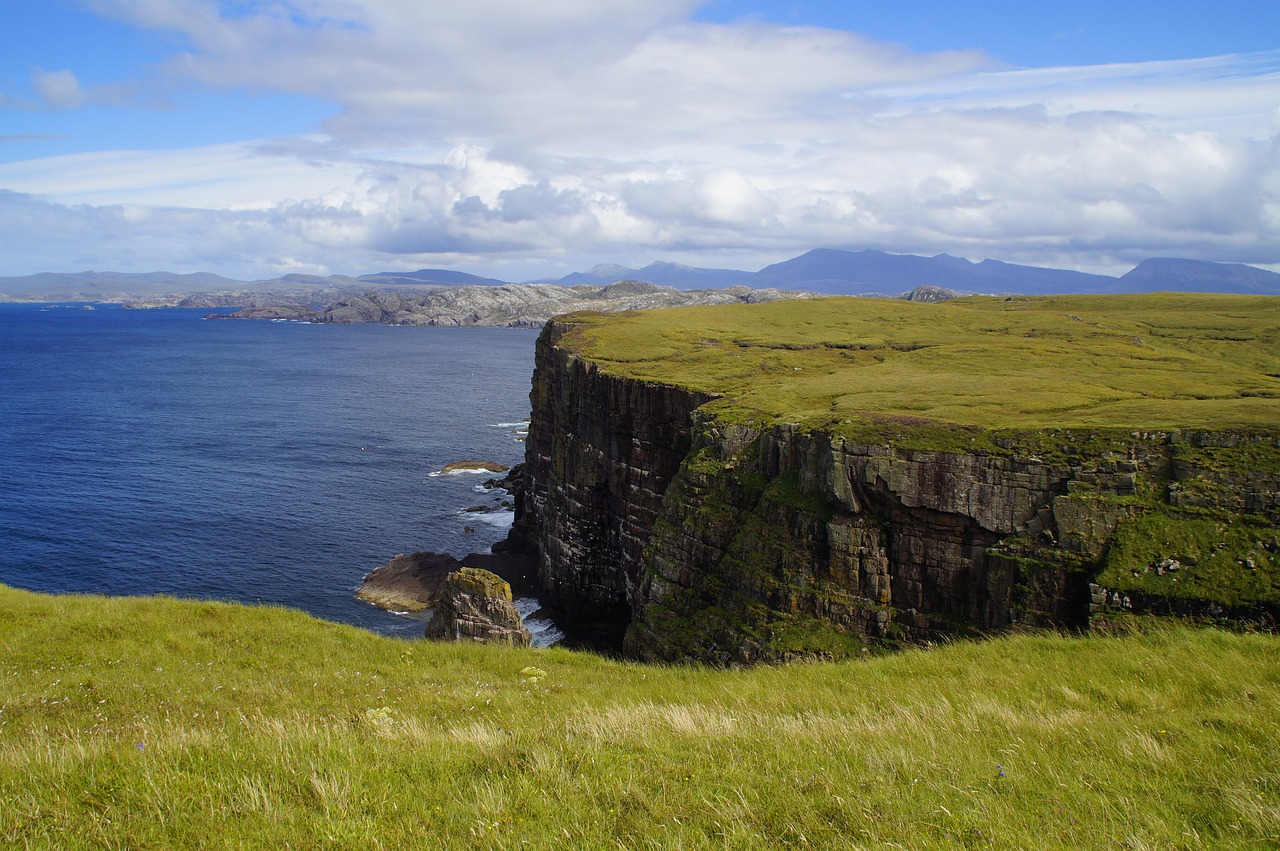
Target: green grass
point(912, 371)
point(1225, 559)
point(156, 723)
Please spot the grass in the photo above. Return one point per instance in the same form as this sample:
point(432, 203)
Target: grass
point(158, 723)
point(1155, 361)
point(1228, 560)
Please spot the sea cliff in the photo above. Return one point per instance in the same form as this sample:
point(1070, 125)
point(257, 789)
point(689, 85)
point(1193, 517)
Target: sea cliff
point(728, 527)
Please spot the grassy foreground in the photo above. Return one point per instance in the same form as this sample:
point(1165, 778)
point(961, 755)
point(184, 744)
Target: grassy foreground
point(156, 723)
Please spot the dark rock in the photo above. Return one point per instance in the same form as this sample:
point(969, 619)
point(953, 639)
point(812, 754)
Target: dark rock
point(511, 482)
point(409, 583)
point(519, 571)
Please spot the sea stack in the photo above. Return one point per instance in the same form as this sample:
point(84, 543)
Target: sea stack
point(476, 605)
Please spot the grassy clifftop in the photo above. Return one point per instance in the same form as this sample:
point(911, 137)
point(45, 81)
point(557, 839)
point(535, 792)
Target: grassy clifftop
point(1159, 361)
point(156, 723)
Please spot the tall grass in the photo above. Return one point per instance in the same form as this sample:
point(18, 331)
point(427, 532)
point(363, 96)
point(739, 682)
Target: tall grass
point(157, 723)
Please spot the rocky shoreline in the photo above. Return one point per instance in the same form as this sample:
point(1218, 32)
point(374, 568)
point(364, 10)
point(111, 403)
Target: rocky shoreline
point(507, 306)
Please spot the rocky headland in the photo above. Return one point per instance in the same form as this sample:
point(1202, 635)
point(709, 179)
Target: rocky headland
point(800, 479)
point(506, 306)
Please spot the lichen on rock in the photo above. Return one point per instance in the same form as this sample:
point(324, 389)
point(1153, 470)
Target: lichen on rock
point(476, 605)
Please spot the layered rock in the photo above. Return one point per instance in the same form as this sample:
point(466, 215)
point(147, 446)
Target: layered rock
point(600, 455)
point(476, 605)
point(737, 543)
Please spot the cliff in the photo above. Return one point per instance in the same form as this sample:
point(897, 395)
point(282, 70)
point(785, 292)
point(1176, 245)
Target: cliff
point(769, 500)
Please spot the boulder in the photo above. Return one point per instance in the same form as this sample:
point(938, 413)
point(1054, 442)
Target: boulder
point(408, 583)
point(476, 605)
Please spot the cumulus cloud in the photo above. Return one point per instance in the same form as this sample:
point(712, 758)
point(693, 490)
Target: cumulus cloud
point(58, 89)
point(498, 130)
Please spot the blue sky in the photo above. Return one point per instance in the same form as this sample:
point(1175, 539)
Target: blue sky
point(261, 137)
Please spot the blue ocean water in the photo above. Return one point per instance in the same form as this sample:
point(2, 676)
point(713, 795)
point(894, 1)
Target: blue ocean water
point(156, 452)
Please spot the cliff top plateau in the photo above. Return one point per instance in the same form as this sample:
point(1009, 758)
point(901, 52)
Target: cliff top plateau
point(812, 478)
point(1161, 361)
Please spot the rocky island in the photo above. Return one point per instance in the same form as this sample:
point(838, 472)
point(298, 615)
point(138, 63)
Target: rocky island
point(810, 478)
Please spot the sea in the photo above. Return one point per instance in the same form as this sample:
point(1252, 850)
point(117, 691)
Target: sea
point(160, 452)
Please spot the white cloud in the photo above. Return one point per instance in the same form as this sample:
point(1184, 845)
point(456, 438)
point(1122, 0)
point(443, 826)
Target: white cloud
point(58, 89)
point(497, 131)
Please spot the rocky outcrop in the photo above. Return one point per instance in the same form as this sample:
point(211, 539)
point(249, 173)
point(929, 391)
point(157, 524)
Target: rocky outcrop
point(476, 605)
point(505, 306)
point(473, 467)
point(282, 312)
point(736, 543)
point(408, 583)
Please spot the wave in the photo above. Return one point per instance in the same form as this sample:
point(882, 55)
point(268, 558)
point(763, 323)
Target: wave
point(499, 518)
point(542, 631)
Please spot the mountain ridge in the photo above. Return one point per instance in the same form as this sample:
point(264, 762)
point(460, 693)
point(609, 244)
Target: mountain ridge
point(828, 271)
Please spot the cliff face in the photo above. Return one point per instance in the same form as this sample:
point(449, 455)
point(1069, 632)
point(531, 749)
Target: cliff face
point(738, 543)
point(600, 455)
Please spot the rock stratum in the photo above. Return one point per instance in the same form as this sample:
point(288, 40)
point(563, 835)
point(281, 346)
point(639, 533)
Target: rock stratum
point(801, 479)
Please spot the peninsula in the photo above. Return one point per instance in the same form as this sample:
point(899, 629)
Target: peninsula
point(813, 477)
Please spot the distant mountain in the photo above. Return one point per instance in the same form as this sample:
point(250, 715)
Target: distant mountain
point(1165, 273)
point(692, 277)
point(108, 283)
point(430, 277)
point(659, 272)
point(828, 271)
point(836, 272)
point(596, 276)
point(998, 276)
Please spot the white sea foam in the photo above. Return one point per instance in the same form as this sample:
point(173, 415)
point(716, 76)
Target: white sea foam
point(542, 632)
point(499, 518)
point(466, 472)
point(522, 424)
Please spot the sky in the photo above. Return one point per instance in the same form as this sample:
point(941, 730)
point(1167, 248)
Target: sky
point(518, 140)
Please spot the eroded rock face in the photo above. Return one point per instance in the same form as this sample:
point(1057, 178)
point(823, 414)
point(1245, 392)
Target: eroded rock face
point(734, 544)
point(600, 454)
point(476, 605)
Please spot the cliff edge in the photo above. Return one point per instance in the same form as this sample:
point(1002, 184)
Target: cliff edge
point(799, 479)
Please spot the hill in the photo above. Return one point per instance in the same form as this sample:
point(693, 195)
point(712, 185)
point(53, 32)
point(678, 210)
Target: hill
point(1168, 274)
point(158, 723)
